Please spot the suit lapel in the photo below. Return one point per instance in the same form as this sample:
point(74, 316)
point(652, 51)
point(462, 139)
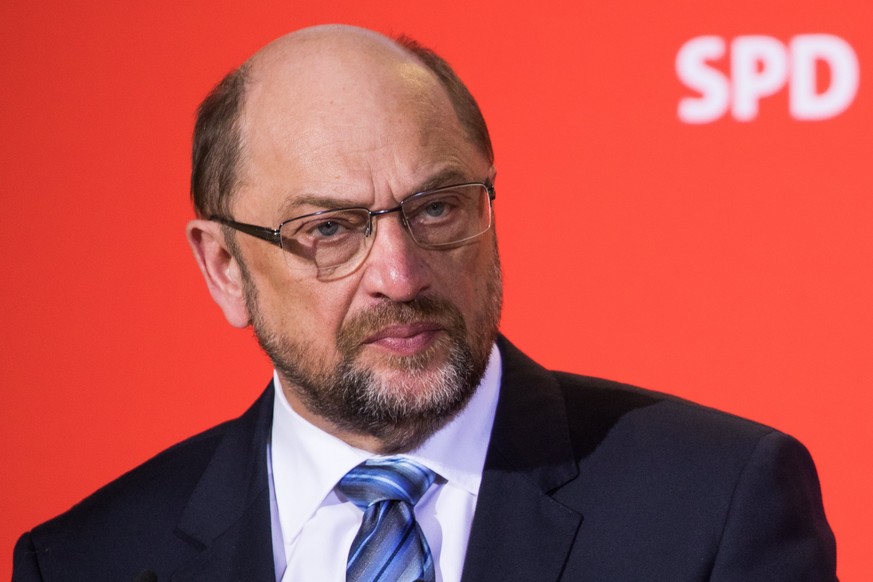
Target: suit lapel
point(227, 520)
point(519, 531)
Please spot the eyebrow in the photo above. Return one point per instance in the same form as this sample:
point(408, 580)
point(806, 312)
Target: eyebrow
point(319, 202)
point(445, 177)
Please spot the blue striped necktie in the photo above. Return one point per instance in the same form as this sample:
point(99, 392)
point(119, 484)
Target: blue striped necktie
point(390, 545)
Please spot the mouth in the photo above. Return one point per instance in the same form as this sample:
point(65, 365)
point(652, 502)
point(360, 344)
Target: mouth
point(405, 339)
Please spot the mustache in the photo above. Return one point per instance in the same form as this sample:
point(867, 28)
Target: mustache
point(351, 336)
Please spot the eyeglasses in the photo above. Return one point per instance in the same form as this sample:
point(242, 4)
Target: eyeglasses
point(333, 243)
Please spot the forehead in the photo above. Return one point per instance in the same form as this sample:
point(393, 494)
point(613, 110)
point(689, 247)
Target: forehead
point(326, 122)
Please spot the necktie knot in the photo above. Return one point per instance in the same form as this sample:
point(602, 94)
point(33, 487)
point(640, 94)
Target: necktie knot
point(386, 479)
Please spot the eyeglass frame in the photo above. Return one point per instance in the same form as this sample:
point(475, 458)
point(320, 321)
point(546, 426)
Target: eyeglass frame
point(274, 236)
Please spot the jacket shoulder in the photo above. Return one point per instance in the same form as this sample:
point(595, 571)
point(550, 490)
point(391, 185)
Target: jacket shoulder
point(604, 404)
point(719, 486)
point(139, 519)
point(156, 489)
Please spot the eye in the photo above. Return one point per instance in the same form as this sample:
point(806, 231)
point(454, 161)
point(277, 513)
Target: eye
point(324, 230)
point(333, 227)
point(327, 228)
point(435, 208)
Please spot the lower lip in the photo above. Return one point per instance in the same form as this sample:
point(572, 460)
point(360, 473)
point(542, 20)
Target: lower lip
point(405, 346)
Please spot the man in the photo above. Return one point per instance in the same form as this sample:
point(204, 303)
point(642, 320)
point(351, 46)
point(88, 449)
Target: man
point(343, 184)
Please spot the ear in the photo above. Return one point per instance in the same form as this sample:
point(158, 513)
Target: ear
point(220, 270)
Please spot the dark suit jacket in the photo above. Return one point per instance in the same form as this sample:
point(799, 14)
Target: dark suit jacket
point(585, 479)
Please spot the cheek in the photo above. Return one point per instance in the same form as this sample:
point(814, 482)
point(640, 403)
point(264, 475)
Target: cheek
point(466, 277)
point(313, 315)
point(301, 310)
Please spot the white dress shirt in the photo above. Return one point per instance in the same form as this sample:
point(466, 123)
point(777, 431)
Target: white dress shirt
point(313, 528)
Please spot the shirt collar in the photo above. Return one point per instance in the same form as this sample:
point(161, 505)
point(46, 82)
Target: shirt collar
point(456, 452)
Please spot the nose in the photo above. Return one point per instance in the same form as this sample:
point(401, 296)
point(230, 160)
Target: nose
point(395, 268)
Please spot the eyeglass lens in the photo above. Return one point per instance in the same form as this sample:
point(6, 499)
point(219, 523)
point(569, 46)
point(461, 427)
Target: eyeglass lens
point(334, 243)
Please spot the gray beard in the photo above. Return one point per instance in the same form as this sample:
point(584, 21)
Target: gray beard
point(353, 398)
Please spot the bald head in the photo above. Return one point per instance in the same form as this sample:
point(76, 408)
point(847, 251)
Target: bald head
point(314, 80)
point(309, 50)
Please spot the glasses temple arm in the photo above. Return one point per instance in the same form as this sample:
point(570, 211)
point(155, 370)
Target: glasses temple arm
point(262, 232)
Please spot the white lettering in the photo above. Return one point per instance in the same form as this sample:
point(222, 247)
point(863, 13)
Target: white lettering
point(805, 102)
point(713, 86)
point(759, 68)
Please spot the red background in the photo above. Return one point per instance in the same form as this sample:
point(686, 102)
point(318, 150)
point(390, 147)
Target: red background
point(729, 263)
